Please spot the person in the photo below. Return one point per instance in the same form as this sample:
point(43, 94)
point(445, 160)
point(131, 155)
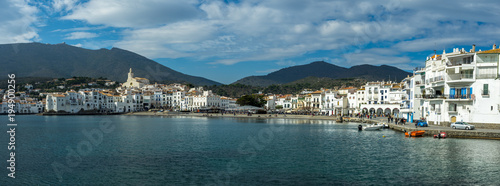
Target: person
point(388, 119)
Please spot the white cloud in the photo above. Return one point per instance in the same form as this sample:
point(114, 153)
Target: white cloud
point(81, 35)
point(63, 5)
point(80, 29)
point(279, 30)
point(266, 71)
point(17, 20)
point(128, 13)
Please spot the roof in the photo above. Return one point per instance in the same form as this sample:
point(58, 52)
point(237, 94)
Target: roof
point(493, 51)
point(437, 57)
point(317, 92)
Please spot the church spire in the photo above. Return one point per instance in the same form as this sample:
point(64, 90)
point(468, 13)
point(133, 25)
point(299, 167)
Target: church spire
point(130, 75)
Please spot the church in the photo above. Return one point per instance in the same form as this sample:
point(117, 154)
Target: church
point(135, 82)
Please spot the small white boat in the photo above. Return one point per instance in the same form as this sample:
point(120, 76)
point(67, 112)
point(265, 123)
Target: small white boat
point(383, 125)
point(372, 127)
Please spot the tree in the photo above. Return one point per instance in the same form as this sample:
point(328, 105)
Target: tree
point(253, 100)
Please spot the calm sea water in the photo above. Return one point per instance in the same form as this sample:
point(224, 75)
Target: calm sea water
point(135, 150)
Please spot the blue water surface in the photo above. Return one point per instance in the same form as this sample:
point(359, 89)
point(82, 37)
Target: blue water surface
point(154, 150)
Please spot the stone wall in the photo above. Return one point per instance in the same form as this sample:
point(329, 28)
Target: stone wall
point(477, 125)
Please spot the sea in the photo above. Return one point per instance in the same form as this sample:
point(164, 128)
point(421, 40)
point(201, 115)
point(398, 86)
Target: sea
point(183, 150)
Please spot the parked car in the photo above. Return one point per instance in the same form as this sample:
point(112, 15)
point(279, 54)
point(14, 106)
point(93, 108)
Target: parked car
point(422, 123)
point(462, 125)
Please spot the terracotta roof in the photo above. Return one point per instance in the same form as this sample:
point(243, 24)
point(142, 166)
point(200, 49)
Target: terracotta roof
point(317, 92)
point(493, 51)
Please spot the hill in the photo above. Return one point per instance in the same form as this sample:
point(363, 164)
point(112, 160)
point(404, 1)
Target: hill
point(314, 83)
point(64, 61)
point(325, 70)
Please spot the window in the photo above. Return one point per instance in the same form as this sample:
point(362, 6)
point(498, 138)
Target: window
point(485, 89)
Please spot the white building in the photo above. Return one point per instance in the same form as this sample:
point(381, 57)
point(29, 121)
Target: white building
point(461, 86)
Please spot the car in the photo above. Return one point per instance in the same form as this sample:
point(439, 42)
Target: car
point(422, 123)
point(462, 125)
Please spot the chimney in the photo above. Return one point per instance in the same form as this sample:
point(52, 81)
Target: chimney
point(494, 46)
point(473, 48)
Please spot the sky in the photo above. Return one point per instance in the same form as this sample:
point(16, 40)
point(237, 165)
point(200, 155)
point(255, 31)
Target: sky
point(227, 40)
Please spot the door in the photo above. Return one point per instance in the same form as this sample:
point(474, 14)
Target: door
point(453, 119)
point(452, 93)
point(464, 93)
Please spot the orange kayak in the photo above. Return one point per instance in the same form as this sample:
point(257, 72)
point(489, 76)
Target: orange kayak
point(415, 133)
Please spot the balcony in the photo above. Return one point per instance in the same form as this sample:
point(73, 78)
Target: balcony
point(438, 78)
point(460, 78)
point(486, 76)
point(446, 96)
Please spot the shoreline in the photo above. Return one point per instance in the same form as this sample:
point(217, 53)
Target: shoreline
point(430, 131)
point(263, 116)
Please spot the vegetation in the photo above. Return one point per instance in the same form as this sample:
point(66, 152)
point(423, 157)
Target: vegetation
point(253, 100)
point(62, 60)
point(53, 85)
point(314, 83)
point(326, 70)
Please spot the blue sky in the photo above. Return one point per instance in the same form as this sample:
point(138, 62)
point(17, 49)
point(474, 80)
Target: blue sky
point(228, 40)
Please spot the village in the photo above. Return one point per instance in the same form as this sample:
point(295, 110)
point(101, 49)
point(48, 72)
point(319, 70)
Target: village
point(456, 86)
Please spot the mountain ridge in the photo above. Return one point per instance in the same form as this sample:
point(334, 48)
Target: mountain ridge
point(323, 69)
point(62, 60)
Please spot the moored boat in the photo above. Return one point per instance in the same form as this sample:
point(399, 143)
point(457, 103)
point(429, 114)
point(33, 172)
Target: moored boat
point(440, 135)
point(372, 127)
point(415, 133)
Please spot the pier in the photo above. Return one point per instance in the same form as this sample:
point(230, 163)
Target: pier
point(431, 130)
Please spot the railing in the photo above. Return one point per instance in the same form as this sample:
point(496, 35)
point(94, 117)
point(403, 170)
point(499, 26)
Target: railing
point(457, 77)
point(438, 78)
point(445, 96)
point(486, 76)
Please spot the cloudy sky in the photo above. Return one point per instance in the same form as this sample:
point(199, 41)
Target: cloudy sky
point(228, 40)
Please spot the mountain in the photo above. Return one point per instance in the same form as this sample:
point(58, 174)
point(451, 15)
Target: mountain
point(62, 60)
point(323, 69)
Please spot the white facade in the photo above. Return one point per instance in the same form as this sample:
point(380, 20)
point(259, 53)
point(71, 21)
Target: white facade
point(459, 86)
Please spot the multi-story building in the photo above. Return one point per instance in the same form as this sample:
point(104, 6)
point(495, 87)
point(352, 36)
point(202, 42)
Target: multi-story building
point(462, 86)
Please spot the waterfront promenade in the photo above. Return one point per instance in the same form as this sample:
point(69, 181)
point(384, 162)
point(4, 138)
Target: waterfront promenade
point(429, 131)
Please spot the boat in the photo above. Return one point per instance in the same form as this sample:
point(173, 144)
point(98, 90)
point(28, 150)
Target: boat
point(440, 135)
point(383, 125)
point(415, 133)
point(372, 127)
